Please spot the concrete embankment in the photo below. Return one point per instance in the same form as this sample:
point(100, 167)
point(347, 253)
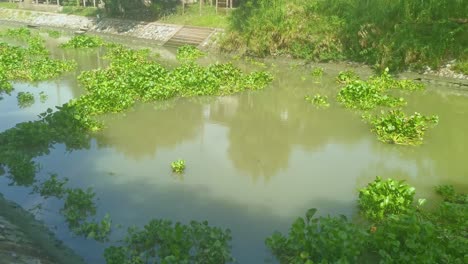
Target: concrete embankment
point(137, 29)
point(24, 240)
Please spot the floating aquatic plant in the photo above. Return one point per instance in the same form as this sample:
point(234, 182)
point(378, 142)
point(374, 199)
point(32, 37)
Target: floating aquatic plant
point(396, 127)
point(188, 53)
point(318, 100)
point(178, 166)
point(83, 41)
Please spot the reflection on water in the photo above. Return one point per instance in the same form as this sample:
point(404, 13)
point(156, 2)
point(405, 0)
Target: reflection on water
point(255, 161)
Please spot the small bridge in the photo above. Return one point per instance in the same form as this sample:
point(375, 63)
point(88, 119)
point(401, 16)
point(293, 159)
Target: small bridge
point(189, 35)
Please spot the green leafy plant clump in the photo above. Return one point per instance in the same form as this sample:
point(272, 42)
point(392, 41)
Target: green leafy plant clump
point(318, 100)
point(25, 99)
point(84, 41)
point(30, 62)
point(189, 53)
point(380, 198)
point(398, 128)
point(178, 166)
point(369, 94)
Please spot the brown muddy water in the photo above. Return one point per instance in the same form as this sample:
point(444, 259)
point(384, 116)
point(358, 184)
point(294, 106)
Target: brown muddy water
point(255, 161)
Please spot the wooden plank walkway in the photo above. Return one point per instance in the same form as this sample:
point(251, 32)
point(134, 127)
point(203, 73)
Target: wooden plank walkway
point(189, 35)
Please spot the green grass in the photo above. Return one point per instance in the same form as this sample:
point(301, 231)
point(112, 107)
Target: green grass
point(191, 16)
point(461, 67)
point(81, 11)
point(8, 5)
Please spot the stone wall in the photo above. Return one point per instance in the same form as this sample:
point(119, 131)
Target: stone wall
point(151, 31)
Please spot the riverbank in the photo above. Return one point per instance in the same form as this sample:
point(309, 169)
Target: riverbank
point(155, 31)
point(24, 240)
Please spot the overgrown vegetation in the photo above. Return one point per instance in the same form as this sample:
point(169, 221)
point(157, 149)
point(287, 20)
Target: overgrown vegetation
point(396, 34)
point(461, 67)
point(398, 128)
point(397, 231)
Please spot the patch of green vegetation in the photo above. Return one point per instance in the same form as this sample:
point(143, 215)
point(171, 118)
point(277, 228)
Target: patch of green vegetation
point(265, 27)
point(345, 77)
point(461, 67)
point(424, 33)
point(379, 199)
point(54, 33)
point(83, 41)
point(5, 85)
point(317, 72)
point(30, 63)
point(396, 127)
point(8, 5)
point(318, 100)
point(192, 16)
point(403, 232)
point(173, 243)
point(17, 33)
point(366, 95)
point(189, 53)
point(178, 166)
point(81, 11)
point(25, 99)
point(132, 76)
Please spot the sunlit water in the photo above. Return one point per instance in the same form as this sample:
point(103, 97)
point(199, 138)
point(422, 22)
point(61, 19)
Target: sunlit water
point(255, 161)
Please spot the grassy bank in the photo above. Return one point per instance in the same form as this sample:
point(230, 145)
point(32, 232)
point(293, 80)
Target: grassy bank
point(396, 34)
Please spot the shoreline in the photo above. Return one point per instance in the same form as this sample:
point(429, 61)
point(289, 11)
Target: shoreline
point(25, 240)
point(158, 33)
